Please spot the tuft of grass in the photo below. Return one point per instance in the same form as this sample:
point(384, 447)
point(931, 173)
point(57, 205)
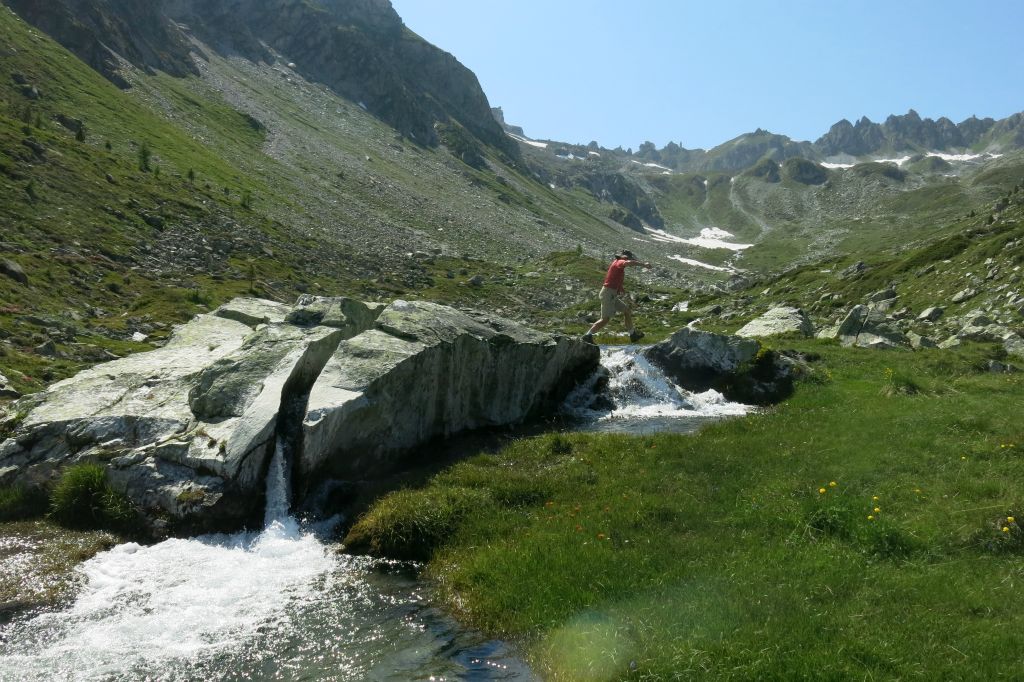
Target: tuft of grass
point(412, 524)
point(83, 499)
point(899, 383)
point(19, 502)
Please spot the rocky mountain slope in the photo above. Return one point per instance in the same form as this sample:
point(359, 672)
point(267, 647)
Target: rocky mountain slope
point(165, 157)
point(897, 136)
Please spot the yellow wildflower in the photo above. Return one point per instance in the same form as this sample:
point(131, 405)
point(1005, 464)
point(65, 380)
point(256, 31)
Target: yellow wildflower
point(821, 491)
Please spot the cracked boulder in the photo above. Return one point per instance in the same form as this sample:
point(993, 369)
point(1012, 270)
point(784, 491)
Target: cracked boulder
point(427, 371)
point(867, 328)
point(186, 430)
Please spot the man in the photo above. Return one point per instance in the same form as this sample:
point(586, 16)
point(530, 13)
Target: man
point(614, 298)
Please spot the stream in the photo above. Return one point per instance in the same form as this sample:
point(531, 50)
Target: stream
point(285, 603)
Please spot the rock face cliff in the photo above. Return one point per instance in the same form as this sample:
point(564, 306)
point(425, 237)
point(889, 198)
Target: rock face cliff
point(359, 48)
point(187, 431)
point(101, 32)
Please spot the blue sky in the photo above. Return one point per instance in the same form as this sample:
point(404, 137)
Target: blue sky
point(702, 72)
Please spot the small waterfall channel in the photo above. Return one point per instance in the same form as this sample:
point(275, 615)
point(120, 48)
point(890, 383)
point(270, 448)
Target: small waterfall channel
point(273, 604)
point(282, 603)
point(629, 394)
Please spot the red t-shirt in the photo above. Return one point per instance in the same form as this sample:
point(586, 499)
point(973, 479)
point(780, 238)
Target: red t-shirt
point(616, 275)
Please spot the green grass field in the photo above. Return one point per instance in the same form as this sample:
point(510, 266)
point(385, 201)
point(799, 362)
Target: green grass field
point(865, 529)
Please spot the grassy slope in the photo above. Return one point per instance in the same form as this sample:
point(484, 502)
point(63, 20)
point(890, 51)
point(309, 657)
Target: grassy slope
point(715, 556)
point(926, 276)
point(83, 240)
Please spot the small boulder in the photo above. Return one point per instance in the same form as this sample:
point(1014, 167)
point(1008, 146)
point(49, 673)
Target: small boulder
point(737, 367)
point(779, 320)
point(869, 328)
point(997, 367)
point(853, 270)
point(917, 342)
point(10, 269)
point(1013, 344)
point(6, 390)
point(476, 281)
point(883, 295)
point(964, 294)
point(931, 314)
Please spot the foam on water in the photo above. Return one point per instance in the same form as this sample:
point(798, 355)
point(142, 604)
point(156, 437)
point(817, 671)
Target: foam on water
point(639, 391)
point(274, 604)
point(143, 607)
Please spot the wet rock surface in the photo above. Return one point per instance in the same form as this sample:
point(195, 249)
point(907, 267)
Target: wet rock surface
point(735, 366)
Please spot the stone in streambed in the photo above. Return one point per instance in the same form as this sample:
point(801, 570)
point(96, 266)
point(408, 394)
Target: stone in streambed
point(737, 367)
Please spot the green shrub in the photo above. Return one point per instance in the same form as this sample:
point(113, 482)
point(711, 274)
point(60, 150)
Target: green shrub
point(144, 156)
point(84, 499)
point(560, 445)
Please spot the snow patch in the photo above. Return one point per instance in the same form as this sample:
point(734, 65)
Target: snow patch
point(697, 263)
point(710, 238)
point(963, 157)
point(532, 143)
point(899, 162)
point(652, 165)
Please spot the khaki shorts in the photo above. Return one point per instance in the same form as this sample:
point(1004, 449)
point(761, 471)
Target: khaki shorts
point(611, 303)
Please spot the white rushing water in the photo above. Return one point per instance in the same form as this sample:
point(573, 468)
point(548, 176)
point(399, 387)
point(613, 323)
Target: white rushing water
point(274, 604)
point(644, 398)
point(143, 607)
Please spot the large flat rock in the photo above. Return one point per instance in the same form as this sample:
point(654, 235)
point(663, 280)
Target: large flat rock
point(187, 431)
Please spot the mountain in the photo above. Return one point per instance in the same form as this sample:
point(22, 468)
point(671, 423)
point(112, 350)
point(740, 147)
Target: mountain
point(162, 157)
point(360, 48)
point(898, 135)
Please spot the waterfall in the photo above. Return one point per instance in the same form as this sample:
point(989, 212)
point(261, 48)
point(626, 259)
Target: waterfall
point(274, 604)
point(278, 503)
point(628, 393)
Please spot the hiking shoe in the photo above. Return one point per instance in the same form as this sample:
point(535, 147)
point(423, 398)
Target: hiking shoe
point(588, 338)
point(636, 335)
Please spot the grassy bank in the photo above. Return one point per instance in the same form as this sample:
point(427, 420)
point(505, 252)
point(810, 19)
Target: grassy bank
point(866, 528)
